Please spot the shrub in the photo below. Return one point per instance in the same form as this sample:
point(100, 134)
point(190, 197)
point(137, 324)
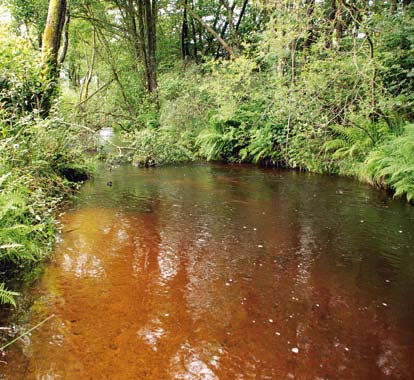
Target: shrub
point(162, 146)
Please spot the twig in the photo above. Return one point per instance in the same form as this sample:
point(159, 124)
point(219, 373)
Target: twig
point(94, 93)
point(27, 332)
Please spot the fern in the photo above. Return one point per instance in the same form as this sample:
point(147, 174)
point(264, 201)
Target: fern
point(212, 142)
point(220, 141)
point(262, 145)
point(392, 165)
point(7, 296)
point(350, 142)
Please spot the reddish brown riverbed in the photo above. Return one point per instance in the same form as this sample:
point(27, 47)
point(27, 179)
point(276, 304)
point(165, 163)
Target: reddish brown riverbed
point(231, 273)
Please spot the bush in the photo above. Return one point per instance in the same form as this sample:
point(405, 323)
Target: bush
point(157, 147)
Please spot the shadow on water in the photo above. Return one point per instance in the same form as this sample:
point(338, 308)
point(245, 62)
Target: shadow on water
point(225, 272)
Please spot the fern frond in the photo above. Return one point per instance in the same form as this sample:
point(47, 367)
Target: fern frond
point(392, 164)
point(7, 296)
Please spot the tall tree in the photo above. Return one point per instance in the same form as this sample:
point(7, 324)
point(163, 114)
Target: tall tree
point(53, 32)
point(50, 47)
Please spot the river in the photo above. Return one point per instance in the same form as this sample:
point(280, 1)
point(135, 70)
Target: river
point(234, 272)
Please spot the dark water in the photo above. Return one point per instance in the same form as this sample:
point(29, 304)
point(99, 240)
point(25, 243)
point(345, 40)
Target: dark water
point(224, 272)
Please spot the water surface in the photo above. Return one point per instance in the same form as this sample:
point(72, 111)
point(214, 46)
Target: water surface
point(224, 272)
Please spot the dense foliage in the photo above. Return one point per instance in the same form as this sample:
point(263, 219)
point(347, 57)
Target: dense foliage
point(313, 85)
point(39, 161)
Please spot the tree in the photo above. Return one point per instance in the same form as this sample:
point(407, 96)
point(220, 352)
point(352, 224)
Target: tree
point(52, 34)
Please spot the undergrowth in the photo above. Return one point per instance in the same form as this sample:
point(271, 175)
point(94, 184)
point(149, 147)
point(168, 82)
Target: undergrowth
point(391, 165)
point(41, 161)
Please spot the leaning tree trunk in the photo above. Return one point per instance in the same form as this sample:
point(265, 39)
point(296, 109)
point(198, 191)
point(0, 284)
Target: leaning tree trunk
point(50, 48)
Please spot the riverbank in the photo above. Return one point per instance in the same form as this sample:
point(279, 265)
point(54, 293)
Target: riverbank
point(41, 166)
point(388, 165)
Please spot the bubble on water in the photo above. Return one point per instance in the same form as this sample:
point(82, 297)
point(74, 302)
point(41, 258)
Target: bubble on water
point(384, 304)
point(270, 320)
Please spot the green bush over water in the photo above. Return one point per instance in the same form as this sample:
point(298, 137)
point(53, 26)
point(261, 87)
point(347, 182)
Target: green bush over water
point(153, 147)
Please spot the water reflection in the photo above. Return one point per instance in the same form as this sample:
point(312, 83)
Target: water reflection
point(187, 364)
point(210, 272)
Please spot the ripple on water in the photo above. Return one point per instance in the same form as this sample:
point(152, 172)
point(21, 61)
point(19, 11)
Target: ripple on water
point(210, 272)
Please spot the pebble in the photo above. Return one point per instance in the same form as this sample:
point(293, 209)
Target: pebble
point(295, 350)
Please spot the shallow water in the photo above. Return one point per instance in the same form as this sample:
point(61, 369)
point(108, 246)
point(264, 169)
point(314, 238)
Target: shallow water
point(224, 272)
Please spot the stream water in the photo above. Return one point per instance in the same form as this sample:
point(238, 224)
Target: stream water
point(224, 272)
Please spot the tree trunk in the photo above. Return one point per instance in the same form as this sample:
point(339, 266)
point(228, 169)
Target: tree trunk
point(229, 22)
point(193, 28)
point(65, 45)
point(212, 31)
point(310, 38)
point(53, 33)
point(185, 49)
point(151, 19)
point(210, 37)
point(84, 92)
point(142, 38)
point(243, 10)
point(50, 50)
